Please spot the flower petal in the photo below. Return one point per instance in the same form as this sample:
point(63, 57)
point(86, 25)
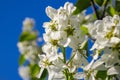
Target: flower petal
point(51, 12)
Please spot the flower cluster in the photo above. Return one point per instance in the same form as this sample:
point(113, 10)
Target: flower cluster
point(106, 34)
point(75, 31)
point(27, 45)
point(61, 32)
point(28, 48)
point(63, 29)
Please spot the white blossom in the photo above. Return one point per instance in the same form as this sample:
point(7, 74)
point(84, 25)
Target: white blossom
point(52, 64)
point(28, 23)
point(65, 30)
point(28, 49)
point(110, 58)
point(106, 32)
point(24, 72)
point(114, 70)
point(79, 59)
point(63, 27)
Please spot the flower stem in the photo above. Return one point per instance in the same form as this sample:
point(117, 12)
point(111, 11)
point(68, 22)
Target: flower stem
point(71, 58)
point(66, 74)
point(64, 54)
point(63, 49)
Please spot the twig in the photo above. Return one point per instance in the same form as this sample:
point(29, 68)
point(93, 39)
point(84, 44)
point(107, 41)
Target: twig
point(94, 8)
point(104, 8)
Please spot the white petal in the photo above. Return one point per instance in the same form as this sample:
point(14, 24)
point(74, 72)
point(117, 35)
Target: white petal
point(51, 12)
point(95, 57)
point(46, 37)
point(24, 72)
point(98, 64)
point(115, 40)
point(112, 59)
point(89, 66)
point(46, 24)
point(79, 75)
point(92, 77)
point(69, 7)
point(67, 43)
point(51, 75)
point(59, 76)
point(114, 70)
point(57, 35)
point(40, 73)
point(74, 42)
point(99, 26)
point(28, 23)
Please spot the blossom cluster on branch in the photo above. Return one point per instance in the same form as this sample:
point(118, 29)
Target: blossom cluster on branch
point(68, 29)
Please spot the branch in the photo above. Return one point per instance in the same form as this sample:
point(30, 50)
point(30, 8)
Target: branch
point(94, 8)
point(104, 8)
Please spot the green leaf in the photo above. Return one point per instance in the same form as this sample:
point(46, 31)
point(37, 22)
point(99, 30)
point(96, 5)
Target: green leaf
point(35, 69)
point(21, 60)
point(81, 5)
point(85, 47)
point(27, 36)
point(44, 75)
point(117, 6)
point(84, 30)
point(111, 11)
point(99, 2)
point(101, 74)
point(34, 78)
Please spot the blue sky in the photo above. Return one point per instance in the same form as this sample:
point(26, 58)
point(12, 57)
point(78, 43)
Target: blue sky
point(12, 13)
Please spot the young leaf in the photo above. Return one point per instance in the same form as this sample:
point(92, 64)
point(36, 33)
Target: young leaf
point(44, 75)
point(101, 74)
point(27, 36)
point(85, 47)
point(34, 78)
point(84, 30)
point(81, 5)
point(21, 60)
point(35, 69)
point(99, 2)
point(111, 11)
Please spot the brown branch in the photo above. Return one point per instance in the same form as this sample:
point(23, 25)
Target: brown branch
point(94, 8)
